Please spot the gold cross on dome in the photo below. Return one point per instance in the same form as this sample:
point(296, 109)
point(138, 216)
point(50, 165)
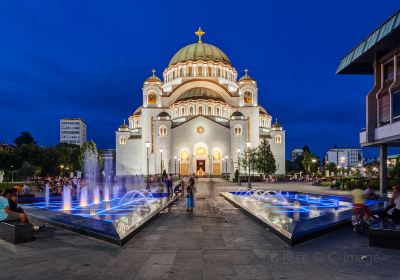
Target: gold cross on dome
point(199, 33)
point(153, 71)
point(245, 71)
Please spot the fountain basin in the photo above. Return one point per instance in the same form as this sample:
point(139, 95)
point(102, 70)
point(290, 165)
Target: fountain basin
point(111, 221)
point(297, 217)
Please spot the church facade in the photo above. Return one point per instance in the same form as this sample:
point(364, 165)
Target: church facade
point(199, 119)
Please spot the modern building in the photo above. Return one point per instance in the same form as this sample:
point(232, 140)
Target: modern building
point(73, 131)
point(379, 55)
point(6, 147)
point(344, 157)
point(295, 154)
point(198, 119)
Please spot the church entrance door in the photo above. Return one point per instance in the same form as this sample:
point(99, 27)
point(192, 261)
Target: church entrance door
point(200, 167)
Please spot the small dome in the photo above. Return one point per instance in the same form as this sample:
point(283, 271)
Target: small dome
point(276, 126)
point(246, 77)
point(123, 127)
point(200, 93)
point(199, 51)
point(163, 114)
point(237, 114)
point(153, 79)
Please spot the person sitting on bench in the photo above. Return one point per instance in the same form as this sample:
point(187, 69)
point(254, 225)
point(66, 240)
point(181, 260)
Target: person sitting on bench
point(177, 189)
point(6, 214)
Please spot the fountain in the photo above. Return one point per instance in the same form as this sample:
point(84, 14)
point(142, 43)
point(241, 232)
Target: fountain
point(66, 198)
point(83, 198)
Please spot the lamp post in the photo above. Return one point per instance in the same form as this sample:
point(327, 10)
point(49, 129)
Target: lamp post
point(226, 166)
point(238, 152)
point(313, 161)
point(222, 172)
point(161, 163)
point(342, 160)
point(61, 167)
point(12, 173)
point(175, 164)
point(248, 145)
point(147, 157)
point(179, 170)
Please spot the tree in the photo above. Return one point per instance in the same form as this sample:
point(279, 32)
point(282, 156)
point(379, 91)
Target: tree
point(27, 170)
point(248, 160)
point(307, 160)
point(265, 162)
point(24, 138)
point(331, 167)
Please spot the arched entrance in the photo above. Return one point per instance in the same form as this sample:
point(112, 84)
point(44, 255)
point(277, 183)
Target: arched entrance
point(200, 153)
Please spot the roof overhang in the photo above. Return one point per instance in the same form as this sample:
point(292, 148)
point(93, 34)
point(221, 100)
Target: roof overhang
point(382, 40)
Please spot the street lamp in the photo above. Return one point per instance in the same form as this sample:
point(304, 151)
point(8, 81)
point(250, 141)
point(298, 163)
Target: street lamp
point(342, 160)
point(175, 164)
point(147, 143)
point(248, 145)
point(226, 165)
point(161, 163)
point(179, 170)
point(314, 161)
point(238, 151)
point(12, 173)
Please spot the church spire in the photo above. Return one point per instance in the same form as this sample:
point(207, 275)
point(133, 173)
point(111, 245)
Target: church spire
point(153, 71)
point(200, 33)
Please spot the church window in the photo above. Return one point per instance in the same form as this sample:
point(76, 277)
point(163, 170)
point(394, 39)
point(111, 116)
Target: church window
point(248, 97)
point(151, 97)
point(191, 111)
point(209, 111)
point(200, 69)
point(182, 111)
point(218, 112)
point(184, 155)
point(201, 110)
point(200, 151)
point(218, 72)
point(190, 71)
point(209, 71)
point(162, 130)
point(278, 139)
point(181, 72)
point(238, 130)
point(122, 140)
point(217, 155)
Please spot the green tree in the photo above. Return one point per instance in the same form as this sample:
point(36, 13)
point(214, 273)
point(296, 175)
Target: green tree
point(308, 159)
point(27, 170)
point(265, 161)
point(331, 167)
point(248, 160)
point(24, 138)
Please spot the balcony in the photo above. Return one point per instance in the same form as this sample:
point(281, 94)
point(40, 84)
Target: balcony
point(388, 131)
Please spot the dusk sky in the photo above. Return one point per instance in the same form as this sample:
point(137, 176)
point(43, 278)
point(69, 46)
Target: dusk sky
point(89, 59)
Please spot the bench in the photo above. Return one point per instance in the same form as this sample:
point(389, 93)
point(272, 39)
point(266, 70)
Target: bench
point(385, 234)
point(15, 232)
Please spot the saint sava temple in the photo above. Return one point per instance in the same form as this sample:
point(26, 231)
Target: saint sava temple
point(198, 120)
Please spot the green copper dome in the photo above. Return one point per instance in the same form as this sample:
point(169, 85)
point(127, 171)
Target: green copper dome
point(199, 51)
point(199, 93)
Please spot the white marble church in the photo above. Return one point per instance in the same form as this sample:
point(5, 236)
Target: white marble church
point(197, 120)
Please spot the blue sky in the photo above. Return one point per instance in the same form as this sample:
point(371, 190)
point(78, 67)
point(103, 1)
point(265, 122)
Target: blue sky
point(89, 59)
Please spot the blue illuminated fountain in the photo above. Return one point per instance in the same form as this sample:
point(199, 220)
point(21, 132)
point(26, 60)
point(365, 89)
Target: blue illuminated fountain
point(293, 216)
point(101, 210)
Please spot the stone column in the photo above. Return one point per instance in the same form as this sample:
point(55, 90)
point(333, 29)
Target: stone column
point(383, 168)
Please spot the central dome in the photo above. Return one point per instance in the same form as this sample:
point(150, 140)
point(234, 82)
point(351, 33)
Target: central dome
point(199, 51)
point(199, 93)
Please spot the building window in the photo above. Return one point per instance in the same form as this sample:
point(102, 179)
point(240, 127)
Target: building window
point(201, 110)
point(238, 130)
point(209, 111)
point(151, 97)
point(217, 155)
point(200, 151)
point(389, 70)
point(182, 111)
point(181, 72)
point(396, 106)
point(184, 155)
point(162, 130)
point(190, 71)
point(122, 140)
point(248, 97)
point(191, 111)
point(278, 139)
point(209, 71)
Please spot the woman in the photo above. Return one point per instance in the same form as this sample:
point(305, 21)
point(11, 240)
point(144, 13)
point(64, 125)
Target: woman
point(190, 198)
point(393, 209)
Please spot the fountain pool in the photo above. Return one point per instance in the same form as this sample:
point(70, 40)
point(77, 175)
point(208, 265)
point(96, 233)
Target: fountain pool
point(114, 220)
point(296, 217)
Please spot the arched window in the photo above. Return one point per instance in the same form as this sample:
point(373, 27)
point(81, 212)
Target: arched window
point(217, 155)
point(190, 71)
point(209, 71)
point(184, 155)
point(122, 140)
point(162, 130)
point(278, 139)
point(151, 97)
point(182, 111)
point(200, 151)
point(191, 111)
point(218, 111)
point(200, 71)
point(238, 130)
point(201, 110)
point(248, 97)
point(209, 111)
point(218, 72)
point(181, 72)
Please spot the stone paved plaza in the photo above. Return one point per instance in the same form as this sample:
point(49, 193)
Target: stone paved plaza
point(217, 241)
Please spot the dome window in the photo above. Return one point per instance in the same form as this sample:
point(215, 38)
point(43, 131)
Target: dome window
point(217, 155)
point(151, 98)
point(184, 155)
point(238, 130)
point(162, 130)
point(248, 97)
point(122, 140)
point(278, 139)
